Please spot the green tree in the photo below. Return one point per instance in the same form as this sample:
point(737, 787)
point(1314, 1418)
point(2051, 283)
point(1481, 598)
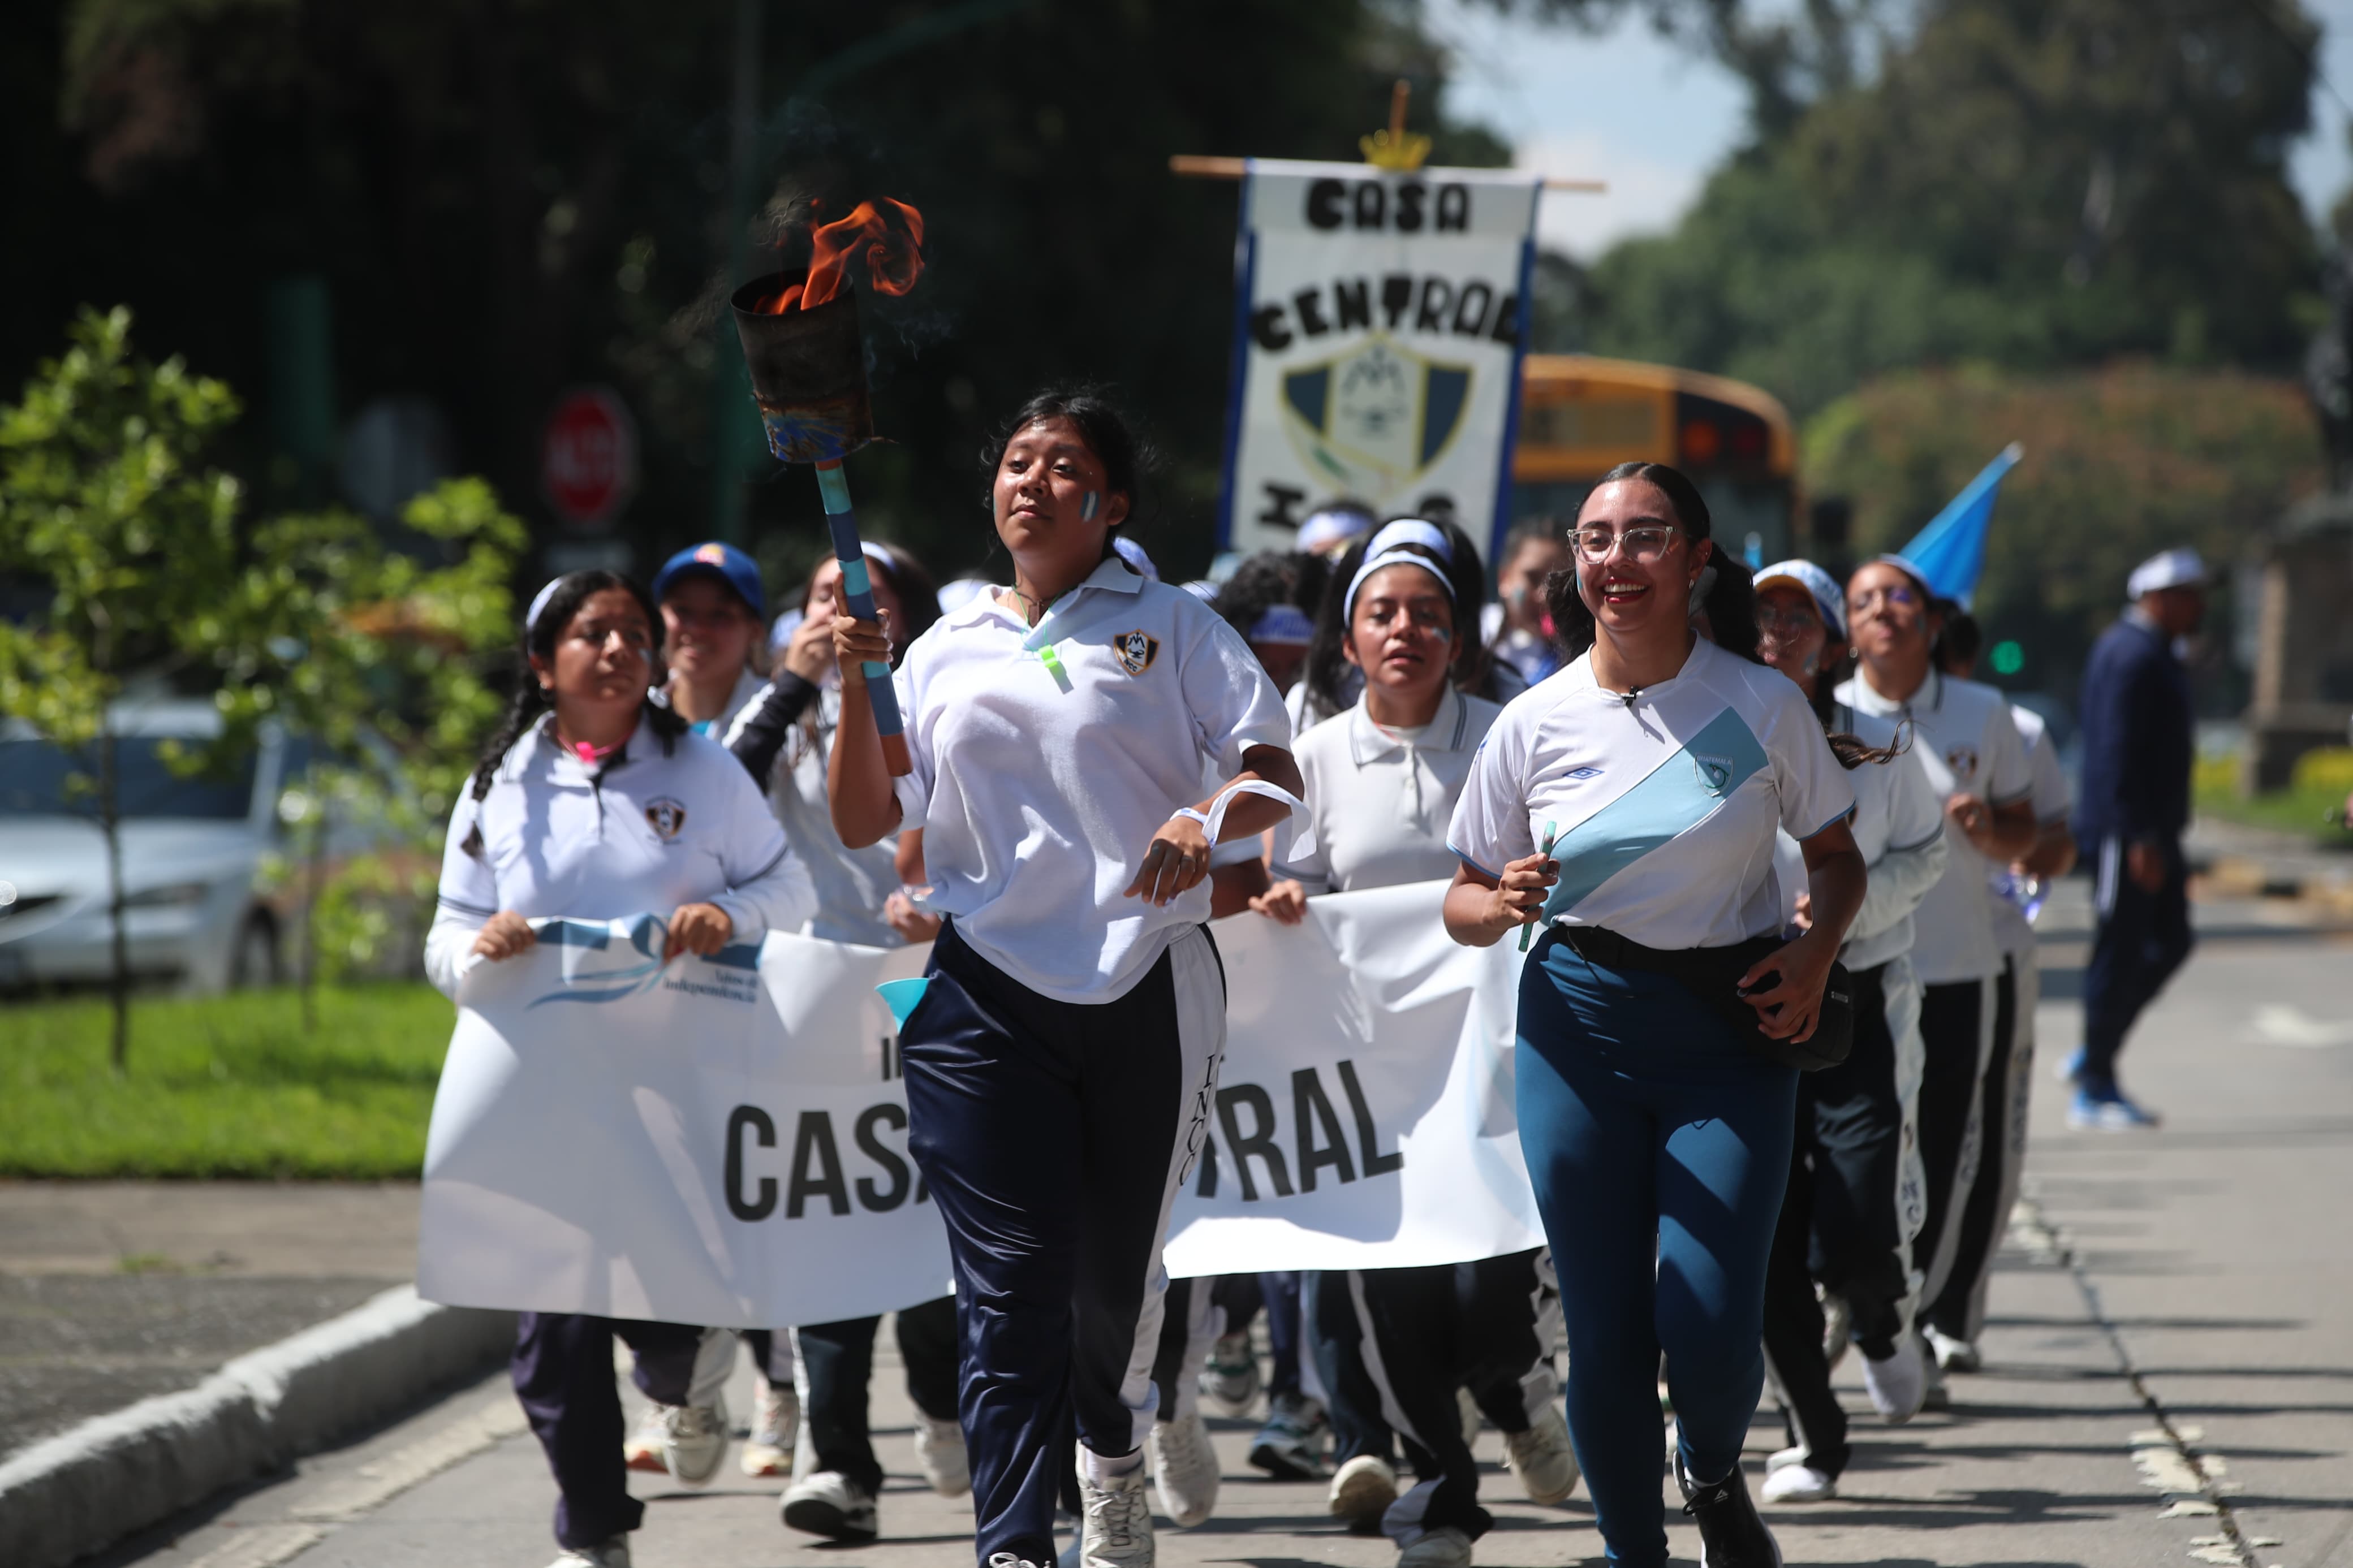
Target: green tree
point(105, 499)
point(307, 621)
point(2032, 182)
point(380, 659)
point(2120, 463)
point(508, 197)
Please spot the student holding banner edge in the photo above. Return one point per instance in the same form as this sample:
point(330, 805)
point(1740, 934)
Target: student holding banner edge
point(1382, 780)
point(1630, 803)
point(783, 737)
point(1061, 1064)
point(592, 803)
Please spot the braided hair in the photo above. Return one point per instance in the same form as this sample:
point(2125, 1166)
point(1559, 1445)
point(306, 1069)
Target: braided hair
point(529, 701)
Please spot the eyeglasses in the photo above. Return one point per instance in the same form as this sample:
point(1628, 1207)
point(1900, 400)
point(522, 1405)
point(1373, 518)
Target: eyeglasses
point(1796, 617)
point(1862, 604)
point(1642, 544)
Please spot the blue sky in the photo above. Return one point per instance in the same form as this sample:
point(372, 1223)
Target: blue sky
point(1652, 120)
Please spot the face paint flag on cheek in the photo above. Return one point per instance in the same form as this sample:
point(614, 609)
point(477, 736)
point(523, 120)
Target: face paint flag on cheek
point(1090, 506)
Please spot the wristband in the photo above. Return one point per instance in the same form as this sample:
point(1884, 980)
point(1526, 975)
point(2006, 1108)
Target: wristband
point(1190, 814)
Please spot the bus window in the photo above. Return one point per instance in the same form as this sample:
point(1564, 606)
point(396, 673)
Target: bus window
point(1582, 416)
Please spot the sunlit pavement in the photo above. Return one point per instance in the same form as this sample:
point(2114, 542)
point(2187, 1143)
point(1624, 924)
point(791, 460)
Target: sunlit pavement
point(2170, 1370)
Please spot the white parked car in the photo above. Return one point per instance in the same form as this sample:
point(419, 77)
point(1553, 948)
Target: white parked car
point(192, 849)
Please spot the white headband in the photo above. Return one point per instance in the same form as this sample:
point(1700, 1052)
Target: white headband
point(1392, 558)
point(538, 602)
point(1410, 530)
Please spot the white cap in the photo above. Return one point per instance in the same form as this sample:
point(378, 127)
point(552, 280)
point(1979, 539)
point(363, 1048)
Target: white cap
point(2173, 568)
point(1830, 602)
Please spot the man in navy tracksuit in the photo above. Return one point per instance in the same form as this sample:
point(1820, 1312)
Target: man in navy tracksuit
point(2132, 807)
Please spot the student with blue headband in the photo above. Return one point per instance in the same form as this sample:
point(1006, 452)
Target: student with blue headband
point(1396, 1344)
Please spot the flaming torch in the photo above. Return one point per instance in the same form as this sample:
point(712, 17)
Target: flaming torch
point(808, 377)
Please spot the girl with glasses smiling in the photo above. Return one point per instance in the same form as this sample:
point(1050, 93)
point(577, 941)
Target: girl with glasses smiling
point(1630, 804)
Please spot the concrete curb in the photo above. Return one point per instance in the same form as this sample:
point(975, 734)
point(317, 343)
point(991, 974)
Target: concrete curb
point(86, 1489)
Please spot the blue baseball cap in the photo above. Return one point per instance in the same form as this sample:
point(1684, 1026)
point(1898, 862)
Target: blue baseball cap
point(712, 559)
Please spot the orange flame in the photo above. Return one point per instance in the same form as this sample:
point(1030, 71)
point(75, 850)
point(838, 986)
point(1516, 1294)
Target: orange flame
point(890, 236)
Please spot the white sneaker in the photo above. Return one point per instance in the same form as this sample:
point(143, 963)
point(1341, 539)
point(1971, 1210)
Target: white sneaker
point(693, 1441)
point(830, 1504)
point(1445, 1547)
point(643, 1448)
point(613, 1553)
point(1838, 1326)
point(1116, 1530)
point(1467, 1408)
point(1362, 1490)
point(776, 1427)
point(1784, 1459)
point(1541, 1457)
point(1898, 1382)
point(1184, 1469)
point(1952, 1354)
point(1231, 1381)
point(1935, 1396)
point(940, 1454)
point(1007, 1560)
point(1798, 1483)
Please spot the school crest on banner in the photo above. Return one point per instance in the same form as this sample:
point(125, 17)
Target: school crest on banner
point(1379, 323)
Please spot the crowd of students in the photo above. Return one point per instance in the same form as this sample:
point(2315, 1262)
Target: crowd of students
point(1774, 1031)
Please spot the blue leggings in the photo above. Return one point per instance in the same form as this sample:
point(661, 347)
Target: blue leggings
point(1659, 1145)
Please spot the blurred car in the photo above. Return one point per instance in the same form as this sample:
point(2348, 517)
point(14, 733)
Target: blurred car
point(192, 851)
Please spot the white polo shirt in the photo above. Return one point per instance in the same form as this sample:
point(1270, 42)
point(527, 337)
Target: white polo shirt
point(1664, 801)
point(646, 832)
point(1895, 814)
point(851, 884)
point(1382, 800)
point(1038, 784)
point(2052, 803)
point(1967, 744)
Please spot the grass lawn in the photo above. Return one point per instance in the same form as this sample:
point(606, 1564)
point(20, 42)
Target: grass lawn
point(224, 1086)
point(2321, 781)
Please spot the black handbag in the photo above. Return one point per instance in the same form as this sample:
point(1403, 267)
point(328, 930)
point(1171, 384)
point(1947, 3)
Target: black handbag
point(1712, 975)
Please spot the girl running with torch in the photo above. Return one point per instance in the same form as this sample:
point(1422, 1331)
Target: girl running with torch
point(1061, 1064)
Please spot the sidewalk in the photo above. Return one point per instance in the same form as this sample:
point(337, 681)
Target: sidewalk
point(112, 1292)
point(2168, 1375)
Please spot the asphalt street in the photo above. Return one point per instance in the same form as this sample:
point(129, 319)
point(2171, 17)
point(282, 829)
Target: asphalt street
point(2169, 1377)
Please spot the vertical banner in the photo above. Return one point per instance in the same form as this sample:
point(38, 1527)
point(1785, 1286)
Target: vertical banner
point(1380, 319)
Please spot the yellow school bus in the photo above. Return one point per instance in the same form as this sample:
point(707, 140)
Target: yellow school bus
point(1582, 415)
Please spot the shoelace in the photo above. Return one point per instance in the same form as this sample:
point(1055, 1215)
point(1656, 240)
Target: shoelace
point(1113, 1511)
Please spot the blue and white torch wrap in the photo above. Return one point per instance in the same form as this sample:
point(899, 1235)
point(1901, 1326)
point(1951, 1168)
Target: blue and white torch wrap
point(858, 594)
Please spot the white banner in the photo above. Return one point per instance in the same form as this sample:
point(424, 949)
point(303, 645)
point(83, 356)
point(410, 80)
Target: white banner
point(723, 1141)
point(1380, 322)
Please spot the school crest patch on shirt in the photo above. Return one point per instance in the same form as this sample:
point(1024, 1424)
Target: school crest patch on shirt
point(1963, 760)
point(666, 816)
point(1137, 651)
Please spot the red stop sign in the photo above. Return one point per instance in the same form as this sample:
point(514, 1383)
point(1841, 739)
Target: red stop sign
point(588, 456)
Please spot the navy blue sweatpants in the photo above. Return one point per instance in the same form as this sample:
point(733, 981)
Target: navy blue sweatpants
point(562, 1373)
point(1054, 1137)
point(1659, 1146)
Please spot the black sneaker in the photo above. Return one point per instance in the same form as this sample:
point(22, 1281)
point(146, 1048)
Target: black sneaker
point(1730, 1533)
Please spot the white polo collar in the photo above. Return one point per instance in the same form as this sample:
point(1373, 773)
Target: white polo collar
point(1368, 742)
point(566, 763)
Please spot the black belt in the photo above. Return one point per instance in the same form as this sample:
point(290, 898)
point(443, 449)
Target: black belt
point(1712, 975)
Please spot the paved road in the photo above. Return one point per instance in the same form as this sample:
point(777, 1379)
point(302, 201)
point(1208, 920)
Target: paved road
point(2169, 1379)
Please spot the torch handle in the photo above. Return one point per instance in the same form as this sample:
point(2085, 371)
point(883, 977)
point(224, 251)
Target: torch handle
point(858, 593)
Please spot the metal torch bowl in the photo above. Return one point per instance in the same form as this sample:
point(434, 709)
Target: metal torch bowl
point(808, 371)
